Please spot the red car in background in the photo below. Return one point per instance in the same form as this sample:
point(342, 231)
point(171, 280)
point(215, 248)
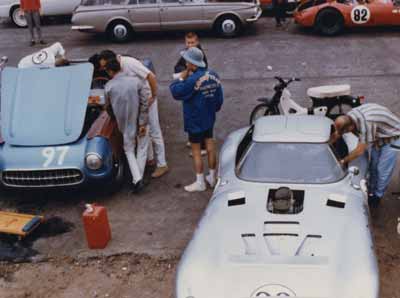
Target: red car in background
point(330, 17)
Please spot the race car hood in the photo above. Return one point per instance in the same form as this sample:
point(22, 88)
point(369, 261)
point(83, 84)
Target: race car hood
point(41, 107)
point(241, 250)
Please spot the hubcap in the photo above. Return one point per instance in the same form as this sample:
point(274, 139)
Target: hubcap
point(120, 31)
point(18, 18)
point(228, 26)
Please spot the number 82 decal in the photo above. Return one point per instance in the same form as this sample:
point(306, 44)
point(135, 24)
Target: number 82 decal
point(54, 154)
point(360, 14)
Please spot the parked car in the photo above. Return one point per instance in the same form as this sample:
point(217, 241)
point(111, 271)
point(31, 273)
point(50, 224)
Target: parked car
point(286, 218)
point(120, 18)
point(11, 9)
point(54, 132)
point(331, 17)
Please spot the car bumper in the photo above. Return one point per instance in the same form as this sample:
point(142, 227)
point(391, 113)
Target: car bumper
point(83, 28)
point(256, 17)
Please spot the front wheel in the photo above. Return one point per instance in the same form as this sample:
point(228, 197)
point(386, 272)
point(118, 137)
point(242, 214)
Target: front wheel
point(228, 26)
point(259, 111)
point(329, 22)
point(120, 31)
point(17, 17)
point(118, 178)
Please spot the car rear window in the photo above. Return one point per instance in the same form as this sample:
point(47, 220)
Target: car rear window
point(308, 163)
point(103, 2)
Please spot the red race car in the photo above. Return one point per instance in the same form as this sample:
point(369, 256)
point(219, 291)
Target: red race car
point(331, 17)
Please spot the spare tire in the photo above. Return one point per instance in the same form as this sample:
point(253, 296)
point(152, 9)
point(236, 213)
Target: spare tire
point(329, 21)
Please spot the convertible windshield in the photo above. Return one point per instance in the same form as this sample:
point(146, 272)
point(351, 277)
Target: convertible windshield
point(290, 163)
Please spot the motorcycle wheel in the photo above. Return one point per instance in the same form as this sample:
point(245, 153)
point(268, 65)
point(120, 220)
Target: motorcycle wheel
point(259, 111)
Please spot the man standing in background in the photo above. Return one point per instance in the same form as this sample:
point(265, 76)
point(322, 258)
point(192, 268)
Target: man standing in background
point(31, 11)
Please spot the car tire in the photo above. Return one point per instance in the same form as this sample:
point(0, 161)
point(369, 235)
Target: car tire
point(329, 22)
point(118, 178)
point(228, 26)
point(120, 31)
point(259, 111)
point(17, 18)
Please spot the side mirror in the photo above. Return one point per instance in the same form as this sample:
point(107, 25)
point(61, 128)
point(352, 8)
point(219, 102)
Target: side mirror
point(4, 59)
point(354, 171)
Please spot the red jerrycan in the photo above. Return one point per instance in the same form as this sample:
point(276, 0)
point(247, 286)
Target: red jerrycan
point(97, 228)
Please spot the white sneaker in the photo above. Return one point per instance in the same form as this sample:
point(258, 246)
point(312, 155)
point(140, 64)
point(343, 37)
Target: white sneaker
point(210, 181)
point(203, 153)
point(196, 186)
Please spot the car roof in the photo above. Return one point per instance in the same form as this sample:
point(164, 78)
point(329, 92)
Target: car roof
point(292, 129)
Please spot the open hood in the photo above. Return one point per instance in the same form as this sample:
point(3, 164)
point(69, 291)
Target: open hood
point(41, 107)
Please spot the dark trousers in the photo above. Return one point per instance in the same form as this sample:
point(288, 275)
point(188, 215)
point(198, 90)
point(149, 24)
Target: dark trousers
point(279, 9)
point(33, 20)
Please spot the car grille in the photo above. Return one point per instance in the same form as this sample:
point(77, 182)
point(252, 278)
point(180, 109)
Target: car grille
point(42, 178)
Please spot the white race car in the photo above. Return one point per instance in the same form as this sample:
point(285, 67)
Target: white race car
point(285, 219)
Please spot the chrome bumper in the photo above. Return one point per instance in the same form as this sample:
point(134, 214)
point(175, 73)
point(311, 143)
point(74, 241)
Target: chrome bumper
point(256, 17)
point(83, 28)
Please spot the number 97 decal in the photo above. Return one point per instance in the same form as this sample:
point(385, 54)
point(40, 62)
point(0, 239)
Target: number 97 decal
point(360, 14)
point(54, 154)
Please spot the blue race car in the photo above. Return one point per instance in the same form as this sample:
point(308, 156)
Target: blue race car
point(54, 132)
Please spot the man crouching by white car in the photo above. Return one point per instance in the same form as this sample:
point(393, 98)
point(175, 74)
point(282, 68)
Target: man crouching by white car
point(51, 56)
point(378, 129)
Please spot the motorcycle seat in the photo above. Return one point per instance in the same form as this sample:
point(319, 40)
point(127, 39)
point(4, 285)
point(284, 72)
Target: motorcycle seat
point(329, 91)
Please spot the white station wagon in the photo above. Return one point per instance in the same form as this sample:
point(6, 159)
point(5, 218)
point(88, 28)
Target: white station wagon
point(11, 9)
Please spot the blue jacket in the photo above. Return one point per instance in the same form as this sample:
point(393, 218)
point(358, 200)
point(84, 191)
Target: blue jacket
point(202, 96)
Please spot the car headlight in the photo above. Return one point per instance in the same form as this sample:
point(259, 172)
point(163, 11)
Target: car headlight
point(93, 161)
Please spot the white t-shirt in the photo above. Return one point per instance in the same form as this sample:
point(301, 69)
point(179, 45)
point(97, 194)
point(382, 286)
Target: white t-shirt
point(134, 67)
point(43, 58)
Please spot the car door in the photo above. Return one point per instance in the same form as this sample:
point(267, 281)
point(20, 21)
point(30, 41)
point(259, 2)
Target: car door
point(145, 15)
point(181, 14)
point(58, 7)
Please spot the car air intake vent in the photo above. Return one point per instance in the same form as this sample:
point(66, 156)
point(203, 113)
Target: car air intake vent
point(285, 201)
point(336, 200)
point(42, 178)
point(236, 198)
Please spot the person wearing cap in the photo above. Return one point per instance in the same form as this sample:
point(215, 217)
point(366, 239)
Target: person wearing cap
point(51, 56)
point(201, 93)
point(378, 129)
point(30, 9)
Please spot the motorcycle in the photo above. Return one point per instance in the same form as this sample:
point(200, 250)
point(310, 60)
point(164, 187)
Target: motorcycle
point(331, 101)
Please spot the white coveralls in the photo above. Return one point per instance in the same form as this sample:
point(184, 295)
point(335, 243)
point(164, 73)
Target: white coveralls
point(129, 101)
point(135, 68)
point(43, 58)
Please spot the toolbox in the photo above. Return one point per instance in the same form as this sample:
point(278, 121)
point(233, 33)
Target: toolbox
point(18, 224)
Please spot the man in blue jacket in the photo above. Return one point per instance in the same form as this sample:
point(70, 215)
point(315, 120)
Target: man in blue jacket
point(201, 93)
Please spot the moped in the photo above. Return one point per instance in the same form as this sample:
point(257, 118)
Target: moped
point(330, 101)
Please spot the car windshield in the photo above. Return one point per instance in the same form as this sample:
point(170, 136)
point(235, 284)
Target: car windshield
point(308, 163)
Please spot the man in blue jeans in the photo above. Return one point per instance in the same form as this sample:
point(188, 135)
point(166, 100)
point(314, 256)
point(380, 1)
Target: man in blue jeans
point(201, 93)
point(379, 130)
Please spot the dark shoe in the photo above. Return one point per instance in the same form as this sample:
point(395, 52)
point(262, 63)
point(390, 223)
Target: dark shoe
point(137, 187)
point(373, 202)
point(32, 43)
point(42, 42)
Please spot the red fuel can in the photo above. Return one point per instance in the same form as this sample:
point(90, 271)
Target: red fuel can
point(97, 228)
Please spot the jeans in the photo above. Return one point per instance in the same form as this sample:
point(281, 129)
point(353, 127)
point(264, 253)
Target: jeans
point(33, 20)
point(381, 167)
